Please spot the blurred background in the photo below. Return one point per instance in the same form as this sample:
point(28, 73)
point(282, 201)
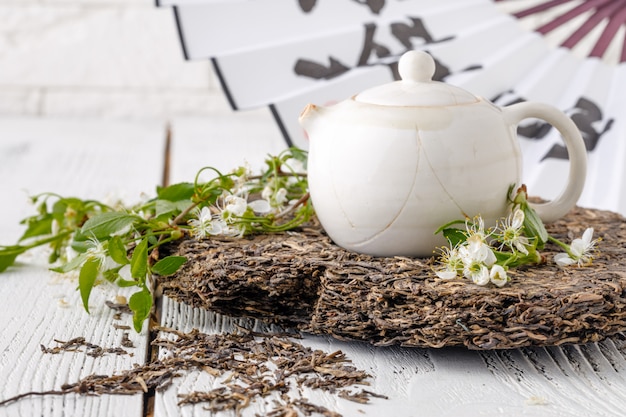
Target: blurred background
point(87, 70)
point(114, 59)
point(153, 61)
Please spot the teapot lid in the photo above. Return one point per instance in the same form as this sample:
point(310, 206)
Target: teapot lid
point(416, 88)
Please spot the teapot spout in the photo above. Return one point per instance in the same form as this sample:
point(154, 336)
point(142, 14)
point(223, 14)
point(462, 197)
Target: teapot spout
point(308, 116)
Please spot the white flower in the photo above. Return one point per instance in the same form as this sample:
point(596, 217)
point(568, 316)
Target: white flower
point(267, 192)
point(475, 249)
point(476, 229)
point(96, 251)
point(242, 175)
point(224, 222)
point(230, 230)
point(580, 251)
point(275, 197)
point(204, 224)
point(477, 272)
point(452, 262)
point(235, 206)
point(477, 258)
point(498, 276)
point(281, 196)
point(511, 232)
point(204, 215)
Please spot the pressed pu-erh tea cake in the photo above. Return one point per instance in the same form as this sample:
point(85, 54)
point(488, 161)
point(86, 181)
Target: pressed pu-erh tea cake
point(302, 280)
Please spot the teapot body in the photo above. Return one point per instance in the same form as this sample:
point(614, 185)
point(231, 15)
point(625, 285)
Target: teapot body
point(382, 182)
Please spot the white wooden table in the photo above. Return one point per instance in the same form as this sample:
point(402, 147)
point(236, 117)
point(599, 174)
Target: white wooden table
point(100, 159)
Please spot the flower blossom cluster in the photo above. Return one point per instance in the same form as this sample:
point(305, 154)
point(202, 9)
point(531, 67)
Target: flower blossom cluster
point(236, 208)
point(474, 258)
point(222, 222)
point(485, 256)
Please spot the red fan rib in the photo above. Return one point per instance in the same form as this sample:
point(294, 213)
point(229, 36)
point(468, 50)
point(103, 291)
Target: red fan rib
point(566, 17)
point(602, 10)
point(539, 8)
point(615, 22)
point(600, 14)
point(623, 57)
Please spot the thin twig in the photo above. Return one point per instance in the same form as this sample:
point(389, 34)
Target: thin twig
point(31, 394)
point(293, 207)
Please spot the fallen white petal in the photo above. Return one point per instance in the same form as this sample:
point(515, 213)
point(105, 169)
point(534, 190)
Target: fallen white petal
point(260, 206)
point(563, 259)
point(446, 274)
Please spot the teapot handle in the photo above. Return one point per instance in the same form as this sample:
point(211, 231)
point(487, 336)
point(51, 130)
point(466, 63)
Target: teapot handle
point(576, 150)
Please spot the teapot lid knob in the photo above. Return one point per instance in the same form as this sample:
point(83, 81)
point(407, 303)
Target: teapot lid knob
point(417, 88)
point(416, 66)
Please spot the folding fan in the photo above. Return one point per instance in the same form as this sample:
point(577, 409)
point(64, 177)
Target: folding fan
point(287, 53)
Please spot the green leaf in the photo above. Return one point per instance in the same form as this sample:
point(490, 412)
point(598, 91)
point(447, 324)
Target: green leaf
point(169, 208)
point(534, 226)
point(139, 261)
point(7, 261)
point(87, 279)
point(111, 275)
point(504, 258)
point(60, 209)
point(168, 265)
point(37, 227)
point(183, 205)
point(448, 225)
point(123, 283)
point(54, 255)
point(299, 154)
point(176, 192)
point(117, 250)
point(106, 224)
point(141, 304)
point(80, 243)
point(455, 236)
point(165, 207)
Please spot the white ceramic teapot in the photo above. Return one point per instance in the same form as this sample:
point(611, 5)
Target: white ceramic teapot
point(392, 164)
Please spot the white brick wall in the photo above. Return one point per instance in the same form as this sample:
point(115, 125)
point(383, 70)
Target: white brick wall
point(98, 58)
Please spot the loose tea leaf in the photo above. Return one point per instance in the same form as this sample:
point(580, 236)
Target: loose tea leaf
point(257, 365)
point(74, 345)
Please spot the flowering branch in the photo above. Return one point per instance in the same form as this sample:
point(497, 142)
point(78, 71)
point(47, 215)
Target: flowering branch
point(121, 244)
point(485, 256)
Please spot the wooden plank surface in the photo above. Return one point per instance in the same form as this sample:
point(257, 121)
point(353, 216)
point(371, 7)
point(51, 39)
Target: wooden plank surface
point(95, 160)
point(587, 380)
point(88, 160)
point(572, 381)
